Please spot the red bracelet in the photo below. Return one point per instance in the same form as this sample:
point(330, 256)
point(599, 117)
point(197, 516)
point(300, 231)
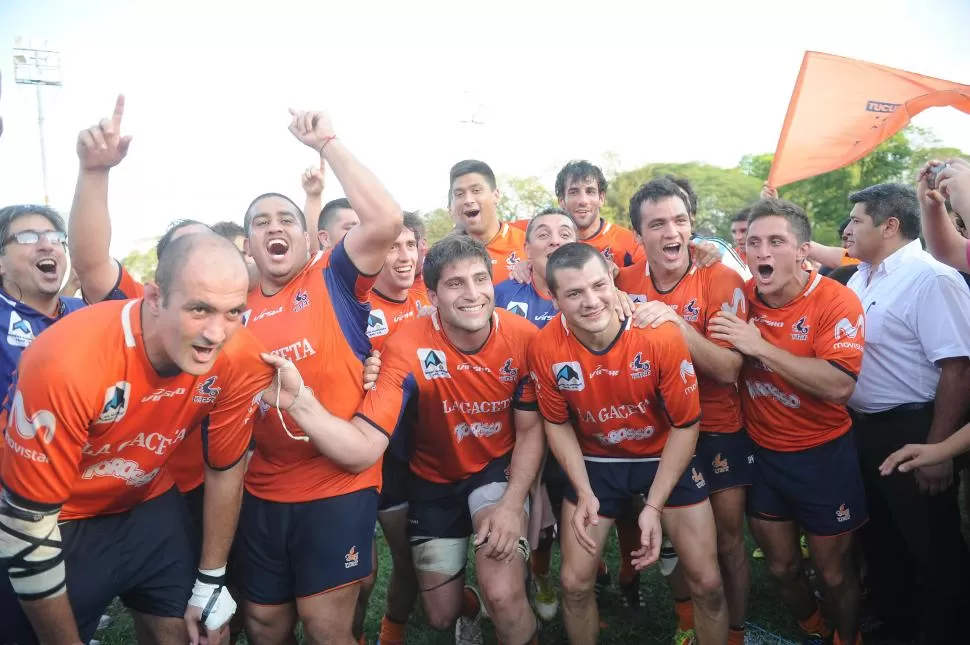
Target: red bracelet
point(659, 512)
point(325, 142)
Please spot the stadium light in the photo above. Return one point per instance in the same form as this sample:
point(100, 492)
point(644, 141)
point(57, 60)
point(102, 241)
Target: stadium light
point(38, 65)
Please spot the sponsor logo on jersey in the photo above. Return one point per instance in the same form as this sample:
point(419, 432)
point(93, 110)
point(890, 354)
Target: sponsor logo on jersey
point(761, 388)
point(638, 297)
point(511, 261)
point(245, 316)
point(207, 391)
point(507, 373)
point(691, 312)
point(41, 422)
point(845, 329)
point(737, 302)
point(569, 376)
point(266, 313)
point(686, 370)
point(799, 331)
point(19, 333)
point(639, 368)
point(618, 436)
point(162, 393)
point(477, 430)
point(434, 363)
point(301, 300)
point(762, 320)
point(601, 370)
point(126, 470)
point(116, 399)
point(518, 308)
point(376, 323)
point(608, 254)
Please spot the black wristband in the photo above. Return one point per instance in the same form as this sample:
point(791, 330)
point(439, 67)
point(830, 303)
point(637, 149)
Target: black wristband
point(219, 581)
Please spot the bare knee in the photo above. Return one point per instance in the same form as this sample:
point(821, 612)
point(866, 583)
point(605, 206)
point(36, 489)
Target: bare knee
point(786, 571)
point(730, 548)
point(576, 587)
point(833, 576)
point(501, 594)
point(439, 618)
point(706, 588)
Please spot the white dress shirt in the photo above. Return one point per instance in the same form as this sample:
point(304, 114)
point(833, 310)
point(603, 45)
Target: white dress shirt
point(917, 312)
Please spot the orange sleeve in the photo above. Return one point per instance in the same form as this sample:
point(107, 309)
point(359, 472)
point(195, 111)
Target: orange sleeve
point(842, 330)
point(552, 405)
point(847, 260)
point(47, 426)
point(725, 293)
point(230, 424)
point(384, 404)
point(678, 382)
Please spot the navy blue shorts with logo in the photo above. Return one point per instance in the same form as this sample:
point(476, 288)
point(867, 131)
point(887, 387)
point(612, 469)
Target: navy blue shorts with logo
point(441, 510)
point(396, 476)
point(725, 459)
point(285, 551)
point(820, 488)
point(142, 556)
point(615, 482)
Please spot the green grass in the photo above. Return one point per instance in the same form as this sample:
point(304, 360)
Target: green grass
point(655, 624)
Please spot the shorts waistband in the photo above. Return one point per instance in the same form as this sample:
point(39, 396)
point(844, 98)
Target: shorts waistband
point(875, 416)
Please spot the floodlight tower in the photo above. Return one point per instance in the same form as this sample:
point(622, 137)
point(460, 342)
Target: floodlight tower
point(38, 65)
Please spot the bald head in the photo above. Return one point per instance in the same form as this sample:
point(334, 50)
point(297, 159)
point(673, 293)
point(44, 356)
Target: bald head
point(205, 258)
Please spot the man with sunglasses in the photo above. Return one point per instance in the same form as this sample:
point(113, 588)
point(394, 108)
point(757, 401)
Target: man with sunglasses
point(33, 261)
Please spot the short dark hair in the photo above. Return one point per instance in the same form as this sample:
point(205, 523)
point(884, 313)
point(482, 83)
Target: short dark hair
point(741, 215)
point(228, 230)
point(653, 191)
point(248, 219)
point(174, 260)
point(552, 210)
point(843, 226)
point(174, 227)
point(792, 213)
point(684, 184)
point(451, 249)
point(580, 170)
point(468, 167)
point(329, 212)
point(10, 214)
point(414, 223)
point(574, 255)
point(883, 201)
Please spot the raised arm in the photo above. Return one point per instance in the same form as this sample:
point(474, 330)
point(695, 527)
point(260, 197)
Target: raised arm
point(313, 182)
point(381, 219)
point(99, 148)
point(943, 240)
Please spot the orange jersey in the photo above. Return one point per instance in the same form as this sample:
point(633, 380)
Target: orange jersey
point(507, 248)
point(617, 244)
point(386, 315)
point(521, 224)
point(824, 321)
point(465, 401)
point(699, 295)
point(420, 291)
point(624, 401)
point(319, 322)
point(97, 440)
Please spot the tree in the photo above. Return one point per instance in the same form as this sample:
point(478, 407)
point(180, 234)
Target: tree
point(825, 197)
point(141, 264)
point(437, 224)
point(522, 197)
point(721, 192)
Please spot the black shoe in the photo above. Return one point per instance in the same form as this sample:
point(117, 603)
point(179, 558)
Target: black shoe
point(632, 595)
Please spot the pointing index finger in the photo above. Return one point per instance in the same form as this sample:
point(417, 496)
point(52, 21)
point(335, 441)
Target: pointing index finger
point(119, 111)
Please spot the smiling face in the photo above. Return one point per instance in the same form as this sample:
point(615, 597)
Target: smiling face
point(400, 266)
point(583, 201)
point(464, 295)
point(546, 234)
point(586, 296)
point(277, 240)
point(33, 258)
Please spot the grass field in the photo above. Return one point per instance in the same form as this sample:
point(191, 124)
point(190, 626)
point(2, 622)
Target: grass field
point(648, 626)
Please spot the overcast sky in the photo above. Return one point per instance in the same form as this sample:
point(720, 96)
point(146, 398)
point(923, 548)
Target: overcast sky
point(208, 84)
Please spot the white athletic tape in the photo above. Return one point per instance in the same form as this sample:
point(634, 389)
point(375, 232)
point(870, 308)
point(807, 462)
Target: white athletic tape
point(446, 556)
point(30, 544)
point(668, 557)
point(215, 602)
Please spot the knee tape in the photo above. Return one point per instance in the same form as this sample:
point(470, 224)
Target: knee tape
point(446, 556)
point(521, 546)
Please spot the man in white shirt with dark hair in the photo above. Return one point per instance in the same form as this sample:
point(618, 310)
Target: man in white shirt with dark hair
point(913, 388)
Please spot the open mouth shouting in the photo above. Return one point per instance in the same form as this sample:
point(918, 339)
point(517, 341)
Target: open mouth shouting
point(765, 272)
point(203, 353)
point(277, 248)
point(48, 268)
point(671, 252)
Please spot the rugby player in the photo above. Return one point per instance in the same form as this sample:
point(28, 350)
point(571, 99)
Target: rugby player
point(739, 231)
point(472, 198)
point(292, 563)
point(581, 191)
point(336, 219)
point(476, 444)
point(89, 511)
point(803, 349)
point(674, 289)
point(601, 384)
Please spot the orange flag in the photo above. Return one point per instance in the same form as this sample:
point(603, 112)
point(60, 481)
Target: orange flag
point(843, 108)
